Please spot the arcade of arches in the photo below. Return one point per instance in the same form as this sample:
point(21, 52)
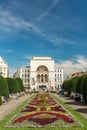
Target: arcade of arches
point(42, 75)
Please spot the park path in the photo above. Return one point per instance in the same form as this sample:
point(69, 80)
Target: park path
point(6, 108)
point(76, 105)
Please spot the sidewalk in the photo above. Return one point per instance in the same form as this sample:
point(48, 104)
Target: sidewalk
point(76, 105)
point(6, 108)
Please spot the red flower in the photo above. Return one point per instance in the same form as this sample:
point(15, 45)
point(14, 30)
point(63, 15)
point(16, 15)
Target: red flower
point(43, 121)
point(29, 109)
point(50, 116)
point(57, 108)
point(43, 109)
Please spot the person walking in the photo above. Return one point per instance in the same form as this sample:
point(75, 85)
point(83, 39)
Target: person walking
point(6, 99)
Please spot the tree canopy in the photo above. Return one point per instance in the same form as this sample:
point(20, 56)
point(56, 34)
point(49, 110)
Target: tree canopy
point(4, 91)
point(13, 85)
point(21, 84)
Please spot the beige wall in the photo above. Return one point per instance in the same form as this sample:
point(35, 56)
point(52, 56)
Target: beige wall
point(42, 61)
point(3, 67)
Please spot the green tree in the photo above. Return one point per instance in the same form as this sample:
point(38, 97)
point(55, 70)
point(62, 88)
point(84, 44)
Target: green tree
point(73, 83)
point(84, 92)
point(13, 85)
point(66, 87)
point(0, 101)
point(4, 91)
point(79, 86)
point(70, 85)
point(21, 84)
point(18, 89)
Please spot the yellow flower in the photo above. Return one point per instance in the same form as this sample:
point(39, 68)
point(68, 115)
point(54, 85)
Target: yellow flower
point(48, 108)
point(44, 116)
point(38, 108)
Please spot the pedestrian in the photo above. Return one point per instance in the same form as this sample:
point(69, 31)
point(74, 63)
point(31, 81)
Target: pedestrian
point(6, 99)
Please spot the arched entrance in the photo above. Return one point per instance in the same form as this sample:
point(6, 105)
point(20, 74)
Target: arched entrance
point(42, 77)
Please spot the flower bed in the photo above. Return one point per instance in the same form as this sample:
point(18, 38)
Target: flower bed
point(43, 111)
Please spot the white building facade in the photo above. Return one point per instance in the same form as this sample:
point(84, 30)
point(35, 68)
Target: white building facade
point(45, 74)
point(25, 76)
point(42, 74)
point(59, 76)
point(3, 68)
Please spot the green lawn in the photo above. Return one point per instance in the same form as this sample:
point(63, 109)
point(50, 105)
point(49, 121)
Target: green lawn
point(80, 118)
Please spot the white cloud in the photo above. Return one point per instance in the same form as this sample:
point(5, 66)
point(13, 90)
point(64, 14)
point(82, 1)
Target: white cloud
point(54, 3)
point(77, 65)
point(57, 41)
point(7, 50)
point(28, 57)
point(11, 24)
point(12, 70)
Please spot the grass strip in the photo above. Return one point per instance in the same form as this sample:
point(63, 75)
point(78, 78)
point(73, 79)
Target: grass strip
point(76, 114)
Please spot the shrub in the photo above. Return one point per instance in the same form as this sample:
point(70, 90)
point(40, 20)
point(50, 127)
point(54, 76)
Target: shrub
point(4, 91)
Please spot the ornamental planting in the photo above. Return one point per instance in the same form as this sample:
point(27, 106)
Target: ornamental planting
point(43, 111)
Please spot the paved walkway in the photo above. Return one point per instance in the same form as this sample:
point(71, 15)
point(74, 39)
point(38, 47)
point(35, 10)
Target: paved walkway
point(6, 108)
point(76, 105)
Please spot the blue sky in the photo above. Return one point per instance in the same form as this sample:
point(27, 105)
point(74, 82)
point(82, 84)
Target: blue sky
point(56, 28)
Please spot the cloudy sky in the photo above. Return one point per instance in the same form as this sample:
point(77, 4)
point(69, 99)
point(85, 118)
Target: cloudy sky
point(56, 28)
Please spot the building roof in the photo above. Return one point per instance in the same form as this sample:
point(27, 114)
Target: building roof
point(41, 58)
point(3, 60)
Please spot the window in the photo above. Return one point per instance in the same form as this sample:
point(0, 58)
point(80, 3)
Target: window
point(60, 75)
point(28, 80)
